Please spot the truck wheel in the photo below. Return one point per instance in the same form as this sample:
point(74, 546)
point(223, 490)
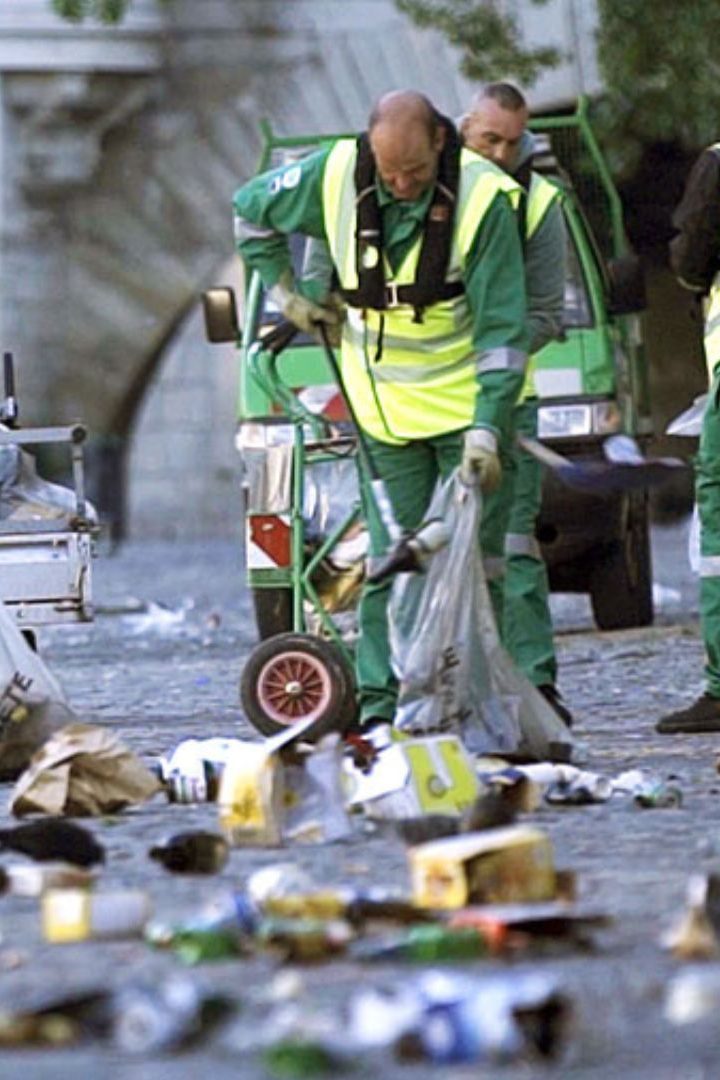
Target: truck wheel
point(291, 677)
point(621, 578)
point(273, 611)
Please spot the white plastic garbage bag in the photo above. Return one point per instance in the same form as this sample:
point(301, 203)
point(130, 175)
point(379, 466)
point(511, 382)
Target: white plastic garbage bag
point(32, 703)
point(25, 495)
point(454, 675)
point(688, 424)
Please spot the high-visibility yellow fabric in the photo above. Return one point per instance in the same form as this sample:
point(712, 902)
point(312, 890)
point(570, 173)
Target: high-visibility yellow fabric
point(541, 196)
point(425, 380)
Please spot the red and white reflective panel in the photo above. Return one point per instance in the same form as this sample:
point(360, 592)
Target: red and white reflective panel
point(268, 541)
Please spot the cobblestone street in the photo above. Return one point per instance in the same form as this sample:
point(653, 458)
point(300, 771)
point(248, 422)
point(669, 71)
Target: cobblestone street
point(157, 677)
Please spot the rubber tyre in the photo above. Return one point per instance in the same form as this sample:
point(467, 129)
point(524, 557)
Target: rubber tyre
point(323, 684)
point(273, 612)
point(621, 578)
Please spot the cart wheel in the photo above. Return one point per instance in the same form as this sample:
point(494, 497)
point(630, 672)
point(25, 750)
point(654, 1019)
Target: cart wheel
point(291, 677)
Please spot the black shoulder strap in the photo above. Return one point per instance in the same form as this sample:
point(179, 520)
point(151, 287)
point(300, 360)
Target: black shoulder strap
point(430, 285)
point(439, 224)
point(368, 230)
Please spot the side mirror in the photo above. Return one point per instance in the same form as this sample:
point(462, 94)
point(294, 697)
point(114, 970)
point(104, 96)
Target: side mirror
point(220, 311)
point(627, 285)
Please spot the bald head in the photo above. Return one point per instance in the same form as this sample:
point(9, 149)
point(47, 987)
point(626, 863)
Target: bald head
point(401, 107)
point(406, 139)
point(495, 124)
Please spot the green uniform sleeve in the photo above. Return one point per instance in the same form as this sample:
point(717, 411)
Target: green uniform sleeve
point(545, 278)
point(274, 204)
point(495, 288)
point(317, 270)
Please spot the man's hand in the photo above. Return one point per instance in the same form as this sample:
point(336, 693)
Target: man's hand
point(304, 313)
point(480, 461)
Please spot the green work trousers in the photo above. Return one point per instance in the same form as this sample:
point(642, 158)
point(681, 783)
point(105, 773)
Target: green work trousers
point(410, 473)
point(707, 487)
point(521, 594)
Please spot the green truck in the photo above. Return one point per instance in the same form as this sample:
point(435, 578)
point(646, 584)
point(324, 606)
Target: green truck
point(592, 383)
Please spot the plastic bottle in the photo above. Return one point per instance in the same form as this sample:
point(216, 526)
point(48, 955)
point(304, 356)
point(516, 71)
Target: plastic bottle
point(193, 946)
point(28, 879)
point(305, 939)
point(163, 1015)
point(479, 1020)
point(155, 1018)
point(658, 795)
point(77, 915)
point(429, 943)
point(220, 930)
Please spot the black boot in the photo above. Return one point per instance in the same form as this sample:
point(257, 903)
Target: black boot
point(553, 698)
point(702, 716)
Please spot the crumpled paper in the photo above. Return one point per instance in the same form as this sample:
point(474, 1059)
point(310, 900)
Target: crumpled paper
point(81, 771)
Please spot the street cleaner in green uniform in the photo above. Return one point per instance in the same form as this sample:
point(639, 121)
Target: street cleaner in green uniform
point(695, 259)
point(496, 127)
point(426, 251)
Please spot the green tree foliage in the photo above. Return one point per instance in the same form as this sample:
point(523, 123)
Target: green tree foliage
point(109, 12)
point(106, 11)
point(660, 70)
point(657, 61)
point(489, 40)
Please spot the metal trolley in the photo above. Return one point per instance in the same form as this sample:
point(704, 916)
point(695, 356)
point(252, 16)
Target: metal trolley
point(303, 600)
point(45, 557)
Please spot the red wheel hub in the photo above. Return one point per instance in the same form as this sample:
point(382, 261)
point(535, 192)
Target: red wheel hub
point(294, 686)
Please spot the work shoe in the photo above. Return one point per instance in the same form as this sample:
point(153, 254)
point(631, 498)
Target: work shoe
point(555, 701)
point(702, 716)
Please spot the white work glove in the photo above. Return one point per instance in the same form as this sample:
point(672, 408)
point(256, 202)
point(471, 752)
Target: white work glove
point(480, 462)
point(305, 313)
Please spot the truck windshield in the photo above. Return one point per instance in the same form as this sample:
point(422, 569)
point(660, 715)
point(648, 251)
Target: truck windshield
point(578, 310)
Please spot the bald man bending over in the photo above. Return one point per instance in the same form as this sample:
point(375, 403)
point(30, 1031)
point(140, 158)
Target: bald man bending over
point(427, 259)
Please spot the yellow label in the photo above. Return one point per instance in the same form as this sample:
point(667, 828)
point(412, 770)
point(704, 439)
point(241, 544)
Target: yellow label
point(65, 915)
point(442, 774)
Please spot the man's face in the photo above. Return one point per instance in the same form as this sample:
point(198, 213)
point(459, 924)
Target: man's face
point(494, 132)
point(406, 158)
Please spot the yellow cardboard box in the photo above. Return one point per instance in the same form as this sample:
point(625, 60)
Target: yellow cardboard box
point(495, 866)
point(432, 774)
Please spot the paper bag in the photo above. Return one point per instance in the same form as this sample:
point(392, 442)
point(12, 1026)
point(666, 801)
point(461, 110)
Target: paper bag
point(82, 770)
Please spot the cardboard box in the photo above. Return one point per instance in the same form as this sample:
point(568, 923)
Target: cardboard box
point(433, 774)
point(495, 866)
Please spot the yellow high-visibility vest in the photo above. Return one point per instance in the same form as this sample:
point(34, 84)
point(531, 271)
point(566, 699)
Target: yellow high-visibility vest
point(425, 383)
point(541, 196)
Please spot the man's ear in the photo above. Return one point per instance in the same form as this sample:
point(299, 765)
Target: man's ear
point(439, 141)
point(463, 125)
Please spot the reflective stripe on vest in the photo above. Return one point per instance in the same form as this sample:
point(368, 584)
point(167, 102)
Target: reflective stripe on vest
point(522, 544)
point(710, 566)
point(541, 196)
point(426, 381)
